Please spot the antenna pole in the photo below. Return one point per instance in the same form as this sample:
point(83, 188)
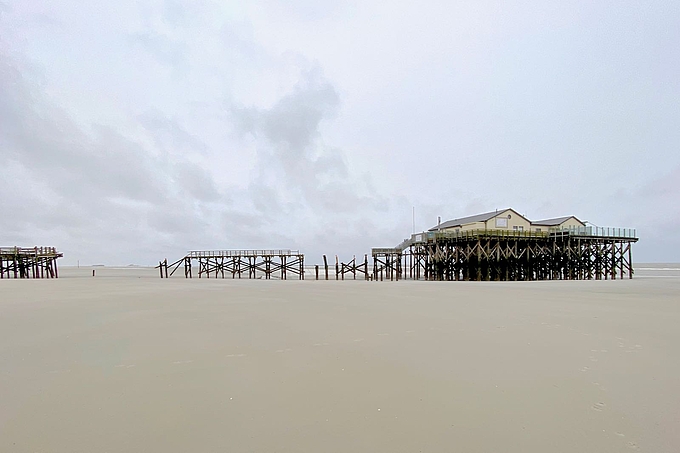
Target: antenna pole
point(414, 220)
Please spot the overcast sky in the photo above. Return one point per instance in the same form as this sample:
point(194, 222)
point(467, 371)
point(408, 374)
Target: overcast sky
point(134, 131)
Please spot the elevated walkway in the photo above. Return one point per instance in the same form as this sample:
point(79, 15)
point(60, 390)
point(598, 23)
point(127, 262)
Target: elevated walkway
point(277, 263)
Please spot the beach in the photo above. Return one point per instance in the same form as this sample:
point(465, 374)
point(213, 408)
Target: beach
point(128, 362)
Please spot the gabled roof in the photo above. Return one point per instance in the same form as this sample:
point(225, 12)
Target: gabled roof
point(554, 222)
point(472, 219)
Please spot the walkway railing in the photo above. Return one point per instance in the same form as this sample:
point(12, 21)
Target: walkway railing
point(230, 253)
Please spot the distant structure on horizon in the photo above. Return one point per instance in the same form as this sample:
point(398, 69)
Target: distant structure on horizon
point(497, 245)
point(505, 245)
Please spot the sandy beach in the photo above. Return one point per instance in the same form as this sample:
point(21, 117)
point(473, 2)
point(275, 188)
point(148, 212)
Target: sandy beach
point(127, 362)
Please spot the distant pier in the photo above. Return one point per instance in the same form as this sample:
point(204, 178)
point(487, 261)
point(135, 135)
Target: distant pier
point(237, 264)
point(24, 262)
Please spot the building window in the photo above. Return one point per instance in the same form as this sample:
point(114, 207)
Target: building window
point(518, 228)
point(538, 230)
point(501, 222)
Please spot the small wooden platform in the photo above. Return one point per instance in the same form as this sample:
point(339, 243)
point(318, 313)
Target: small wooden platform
point(25, 262)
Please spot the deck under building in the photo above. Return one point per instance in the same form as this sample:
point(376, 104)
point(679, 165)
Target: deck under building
point(562, 254)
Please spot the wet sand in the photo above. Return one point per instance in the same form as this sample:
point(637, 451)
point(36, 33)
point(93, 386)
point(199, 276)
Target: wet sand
point(127, 362)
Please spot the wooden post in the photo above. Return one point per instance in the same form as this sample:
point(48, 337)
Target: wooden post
point(630, 262)
point(337, 269)
point(316, 269)
point(398, 263)
point(530, 267)
point(325, 266)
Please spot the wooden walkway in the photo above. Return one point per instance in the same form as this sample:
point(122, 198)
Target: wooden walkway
point(238, 264)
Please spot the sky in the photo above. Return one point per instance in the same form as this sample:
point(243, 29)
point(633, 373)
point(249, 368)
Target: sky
point(135, 131)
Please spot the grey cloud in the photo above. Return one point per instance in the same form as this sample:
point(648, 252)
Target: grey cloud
point(266, 199)
point(332, 165)
point(174, 12)
point(307, 10)
point(99, 187)
point(196, 181)
point(292, 122)
point(289, 138)
point(169, 135)
point(667, 185)
point(45, 140)
point(238, 40)
point(92, 189)
point(163, 48)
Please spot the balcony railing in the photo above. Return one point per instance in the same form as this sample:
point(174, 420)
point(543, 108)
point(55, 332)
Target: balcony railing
point(595, 231)
point(590, 231)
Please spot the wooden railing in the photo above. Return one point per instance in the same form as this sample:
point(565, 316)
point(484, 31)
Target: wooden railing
point(29, 251)
point(230, 253)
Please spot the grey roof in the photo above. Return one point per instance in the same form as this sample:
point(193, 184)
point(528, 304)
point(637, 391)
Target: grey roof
point(554, 222)
point(471, 219)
